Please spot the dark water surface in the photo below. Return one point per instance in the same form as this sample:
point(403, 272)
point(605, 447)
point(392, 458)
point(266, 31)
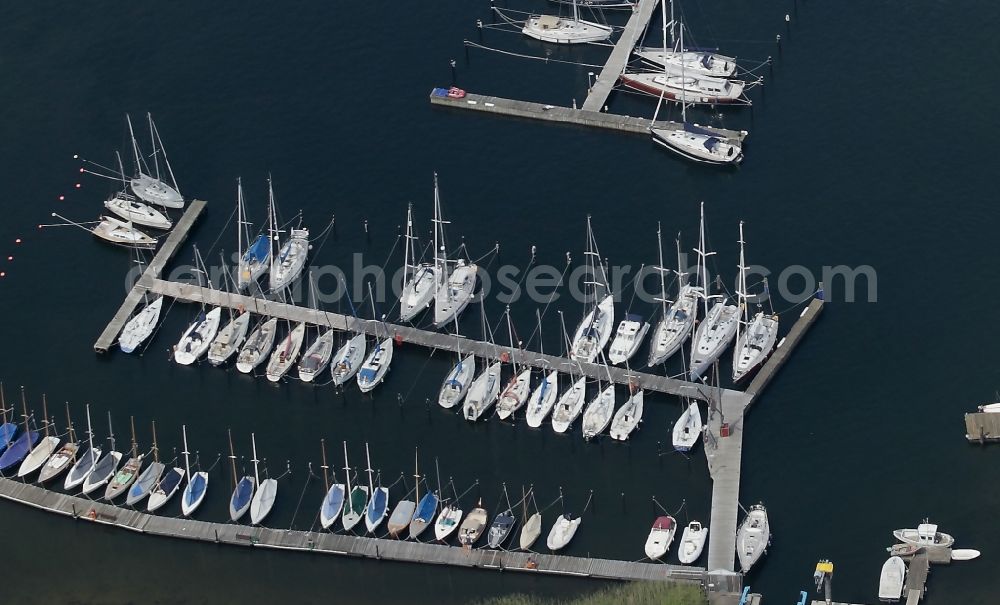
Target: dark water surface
point(871, 145)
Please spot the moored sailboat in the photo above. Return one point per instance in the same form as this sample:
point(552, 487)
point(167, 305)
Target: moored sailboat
point(628, 417)
point(717, 330)
point(455, 280)
point(243, 489)
point(287, 264)
point(197, 485)
point(756, 340)
point(333, 500)
point(687, 429)
point(127, 474)
point(543, 398)
point(378, 504)
point(357, 499)
point(418, 278)
point(595, 328)
point(85, 460)
point(152, 188)
point(267, 491)
point(106, 467)
point(149, 477)
point(284, 355)
point(255, 260)
point(677, 322)
point(122, 233)
point(140, 326)
point(42, 450)
point(570, 406)
point(257, 346)
point(565, 30)
point(62, 459)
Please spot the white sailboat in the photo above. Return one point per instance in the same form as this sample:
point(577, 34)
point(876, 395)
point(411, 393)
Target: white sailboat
point(595, 328)
point(456, 383)
point(455, 280)
point(284, 355)
point(530, 531)
point(243, 490)
point(693, 141)
point(290, 260)
point(198, 337)
point(348, 359)
point(165, 489)
point(447, 521)
point(105, 468)
point(692, 542)
point(127, 474)
point(418, 278)
point(599, 411)
point(62, 459)
point(140, 326)
point(149, 477)
point(357, 499)
point(152, 188)
point(257, 346)
point(628, 417)
point(628, 338)
point(267, 491)
point(197, 485)
point(229, 339)
point(127, 208)
point(318, 354)
point(891, 580)
point(695, 62)
point(677, 321)
point(516, 393)
point(716, 332)
point(562, 532)
point(333, 500)
point(485, 388)
point(756, 341)
point(376, 365)
point(43, 449)
point(559, 30)
point(753, 537)
point(254, 258)
point(543, 398)
point(569, 406)
point(85, 460)
point(122, 233)
point(661, 536)
point(378, 504)
point(687, 429)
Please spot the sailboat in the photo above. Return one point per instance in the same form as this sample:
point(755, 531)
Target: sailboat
point(697, 62)
point(287, 264)
point(543, 398)
point(357, 499)
point(229, 339)
point(628, 338)
point(106, 467)
point(85, 460)
point(131, 209)
point(562, 531)
point(149, 477)
point(753, 537)
point(284, 355)
point(267, 491)
point(569, 406)
point(756, 341)
point(41, 452)
point(486, 387)
point(197, 485)
point(515, 395)
point(317, 355)
point(255, 259)
point(530, 531)
point(628, 417)
point(402, 514)
point(448, 521)
point(453, 284)
point(597, 415)
point(456, 383)
point(501, 528)
point(719, 326)
point(677, 322)
point(149, 188)
point(165, 488)
point(122, 233)
point(423, 516)
point(891, 580)
point(376, 365)
point(595, 328)
point(199, 335)
point(692, 141)
point(473, 526)
point(418, 279)
point(140, 326)
point(687, 429)
point(559, 30)
point(127, 474)
point(378, 505)
point(351, 354)
point(243, 490)
point(692, 542)
point(7, 429)
point(661, 536)
point(257, 346)
point(333, 501)
point(62, 459)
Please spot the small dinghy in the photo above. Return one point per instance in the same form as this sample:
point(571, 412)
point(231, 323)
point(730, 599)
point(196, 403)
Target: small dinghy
point(687, 429)
point(926, 534)
point(239, 502)
point(628, 417)
point(628, 339)
point(122, 233)
point(348, 359)
point(62, 459)
point(402, 514)
point(753, 537)
point(229, 339)
point(692, 542)
point(890, 581)
point(483, 393)
point(661, 536)
point(457, 383)
point(258, 346)
point(140, 327)
point(562, 532)
point(165, 489)
point(317, 357)
point(570, 405)
point(530, 532)
point(598, 414)
point(501, 529)
point(542, 399)
point(904, 550)
point(198, 337)
point(130, 209)
point(285, 354)
point(964, 554)
point(447, 522)
point(515, 395)
point(473, 526)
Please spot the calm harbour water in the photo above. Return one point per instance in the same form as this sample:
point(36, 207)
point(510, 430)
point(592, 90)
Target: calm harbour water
point(869, 146)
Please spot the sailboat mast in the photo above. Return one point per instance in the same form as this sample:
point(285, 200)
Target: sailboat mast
point(371, 484)
point(409, 243)
point(661, 269)
point(347, 472)
point(69, 421)
point(271, 220)
point(683, 79)
point(437, 470)
point(673, 26)
point(440, 260)
point(541, 341)
point(90, 430)
point(152, 141)
point(232, 455)
point(166, 160)
point(187, 460)
point(111, 432)
point(326, 478)
point(45, 415)
point(240, 220)
point(416, 475)
point(742, 292)
point(135, 144)
point(576, 12)
point(24, 407)
point(135, 446)
point(510, 334)
point(256, 474)
point(121, 170)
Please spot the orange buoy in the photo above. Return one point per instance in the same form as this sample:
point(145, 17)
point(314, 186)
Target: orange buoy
point(398, 339)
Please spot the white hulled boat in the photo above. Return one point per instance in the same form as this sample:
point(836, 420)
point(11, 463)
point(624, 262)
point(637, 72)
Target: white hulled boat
point(267, 491)
point(595, 328)
point(418, 278)
point(756, 340)
point(890, 581)
point(686, 60)
point(483, 393)
point(717, 330)
point(542, 399)
point(628, 339)
point(661, 536)
point(692, 542)
point(257, 346)
point(284, 355)
point(515, 395)
point(229, 339)
point(317, 357)
point(198, 337)
point(254, 258)
point(560, 30)
point(141, 326)
point(687, 429)
point(122, 233)
point(753, 537)
point(678, 320)
point(152, 188)
point(598, 414)
point(569, 406)
point(454, 285)
point(127, 208)
point(926, 534)
point(562, 532)
point(287, 264)
point(348, 359)
point(628, 417)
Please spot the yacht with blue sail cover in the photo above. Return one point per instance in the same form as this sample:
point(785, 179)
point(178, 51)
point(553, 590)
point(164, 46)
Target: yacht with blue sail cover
point(255, 260)
point(333, 501)
point(197, 485)
point(8, 429)
point(149, 477)
point(243, 489)
point(378, 505)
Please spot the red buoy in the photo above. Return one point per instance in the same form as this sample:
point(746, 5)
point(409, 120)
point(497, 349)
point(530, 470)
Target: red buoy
point(398, 339)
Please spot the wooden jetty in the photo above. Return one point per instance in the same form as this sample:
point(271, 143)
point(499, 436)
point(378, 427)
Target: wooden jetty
point(916, 578)
point(982, 427)
point(338, 544)
point(613, 68)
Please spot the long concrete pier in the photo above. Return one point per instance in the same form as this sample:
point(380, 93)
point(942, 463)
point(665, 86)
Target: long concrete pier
point(634, 29)
point(346, 545)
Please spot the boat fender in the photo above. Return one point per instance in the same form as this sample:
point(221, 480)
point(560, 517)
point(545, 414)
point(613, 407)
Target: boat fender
point(92, 515)
point(398, 339)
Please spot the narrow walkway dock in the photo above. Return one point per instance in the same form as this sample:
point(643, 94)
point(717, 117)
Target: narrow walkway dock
point(982, 427)
point(338, 544)
point(608, 77)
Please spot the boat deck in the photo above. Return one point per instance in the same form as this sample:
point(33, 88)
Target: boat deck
point(338, 544)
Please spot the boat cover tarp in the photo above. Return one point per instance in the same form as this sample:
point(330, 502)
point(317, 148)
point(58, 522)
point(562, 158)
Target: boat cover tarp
point(259, 251)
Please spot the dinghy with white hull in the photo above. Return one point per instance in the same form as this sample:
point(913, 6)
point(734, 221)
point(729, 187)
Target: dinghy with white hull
point(243, 490)
point(562, 532)
point(42, 450)
point(692, 542)
point(357, 499)
point(378, 504)
point(890, 581)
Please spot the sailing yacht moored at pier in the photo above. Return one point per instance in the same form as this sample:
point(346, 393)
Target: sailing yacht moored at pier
point(152, 188)
point(563, 30)
point(455, 279)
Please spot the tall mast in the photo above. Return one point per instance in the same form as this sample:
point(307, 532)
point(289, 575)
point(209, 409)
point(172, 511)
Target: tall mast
point(69, 421)
point(702, 268)
point(240, 221)
point(166, 160)
point(111, 432)
point(3, 404)
point(187, 461)
point(271, 226)
point(135, 447)
point(135, 144)
point(232, 455)
point(409, 244)
point(256, 475)
point(673, 26)
point(371, 484)
point(510, 334)
point(660, 269)
point(326, 478)
point(347, 473)
point(45, 414)
point(24, 407)
point(576, 12)
point(541, 341)
point(741, 295)
point(416, 475)
point(121, 170)
point(90, 430)
point(437, 470)
point(681, 273)
point(156, 449)
point(683, 81)
point(152, 141)
point(440, 256)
